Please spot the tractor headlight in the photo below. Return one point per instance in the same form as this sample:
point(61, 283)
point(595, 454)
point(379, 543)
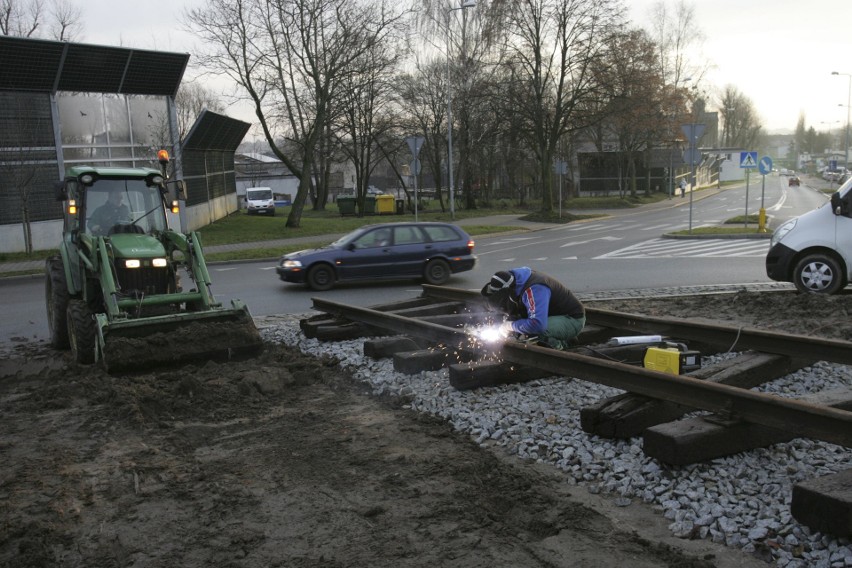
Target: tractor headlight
point(287, 263)
point(132, 263)
point(159, 262)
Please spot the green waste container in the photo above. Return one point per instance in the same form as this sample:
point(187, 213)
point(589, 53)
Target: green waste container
point(369, 205)
point(400, 206)
point(346, 205)
point(385, 204)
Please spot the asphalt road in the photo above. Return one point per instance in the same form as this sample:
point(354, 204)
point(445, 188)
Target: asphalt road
point(623, 252)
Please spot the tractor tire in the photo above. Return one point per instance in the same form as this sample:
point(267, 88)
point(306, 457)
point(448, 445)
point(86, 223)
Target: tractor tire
point(56, 301)
point(320, 278)
point(437, 272)
point(82, 332)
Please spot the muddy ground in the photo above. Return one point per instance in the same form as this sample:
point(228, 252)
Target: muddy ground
point(282, 461)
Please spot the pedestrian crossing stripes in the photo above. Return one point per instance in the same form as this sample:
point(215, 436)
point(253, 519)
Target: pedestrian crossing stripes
point(675, 248)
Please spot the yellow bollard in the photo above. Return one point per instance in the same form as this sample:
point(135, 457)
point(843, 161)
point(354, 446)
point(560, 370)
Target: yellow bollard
point(761, 221)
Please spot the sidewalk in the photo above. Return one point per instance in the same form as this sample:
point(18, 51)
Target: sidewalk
point(35, 268)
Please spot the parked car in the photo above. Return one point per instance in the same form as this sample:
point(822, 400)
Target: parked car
point(431, 251)
point(794, 181)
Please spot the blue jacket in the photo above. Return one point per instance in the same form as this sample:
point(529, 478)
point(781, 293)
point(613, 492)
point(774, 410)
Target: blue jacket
point(540, 296)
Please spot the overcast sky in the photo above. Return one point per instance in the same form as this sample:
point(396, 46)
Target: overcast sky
point(779, 53)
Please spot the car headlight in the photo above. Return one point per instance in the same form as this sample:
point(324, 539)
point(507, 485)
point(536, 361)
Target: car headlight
point(781, 231)
point(287, 263)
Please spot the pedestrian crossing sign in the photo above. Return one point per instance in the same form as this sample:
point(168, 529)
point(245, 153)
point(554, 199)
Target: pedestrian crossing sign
point(748, 159)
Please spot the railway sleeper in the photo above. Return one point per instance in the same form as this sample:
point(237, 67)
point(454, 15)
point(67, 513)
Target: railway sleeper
point(432, 359)
point(629, 414)
point(708, 437)
point(825, 503)
point(383, 347)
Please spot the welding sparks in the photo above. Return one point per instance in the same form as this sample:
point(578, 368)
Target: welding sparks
point(490, 334)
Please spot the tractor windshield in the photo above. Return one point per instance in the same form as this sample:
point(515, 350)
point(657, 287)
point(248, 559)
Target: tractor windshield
point(123, 206)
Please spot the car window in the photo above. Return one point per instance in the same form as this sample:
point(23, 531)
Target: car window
point(440, 233)
point(407, 236)
point(375, 238)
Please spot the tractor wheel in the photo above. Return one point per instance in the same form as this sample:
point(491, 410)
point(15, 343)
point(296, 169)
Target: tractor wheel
point(82, 332)
point(320, 277)
point(56, 300)
point(437, 272)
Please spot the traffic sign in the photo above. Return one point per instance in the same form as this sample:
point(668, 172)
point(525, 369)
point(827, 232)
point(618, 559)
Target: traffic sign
point(414, 167)
point(693, 133)
point(692, 156)
point(765, 165)
point(414, 144)
point(748, 159)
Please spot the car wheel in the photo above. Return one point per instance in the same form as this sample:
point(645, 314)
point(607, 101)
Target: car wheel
point(82, 332)
point(321, 277)
point(437, 272)
point(818, 274)
point(56, 300)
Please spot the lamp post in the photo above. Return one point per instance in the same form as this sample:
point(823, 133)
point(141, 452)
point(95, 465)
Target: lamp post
point(464, 5)
point(848, 103)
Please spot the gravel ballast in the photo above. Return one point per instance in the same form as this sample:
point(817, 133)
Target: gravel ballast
point(740, 501)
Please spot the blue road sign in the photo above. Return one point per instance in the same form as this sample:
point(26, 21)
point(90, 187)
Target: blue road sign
point(765, 165)
point(748, 159)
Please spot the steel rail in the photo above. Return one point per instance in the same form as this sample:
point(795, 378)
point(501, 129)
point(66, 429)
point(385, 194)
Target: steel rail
point(824, 423)
point(790, 415)
point(729, 337)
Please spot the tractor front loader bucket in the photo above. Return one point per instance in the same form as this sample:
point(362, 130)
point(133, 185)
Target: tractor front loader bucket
point(215, 334)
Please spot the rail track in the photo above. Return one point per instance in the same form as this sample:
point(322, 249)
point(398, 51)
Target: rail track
point(433, 331)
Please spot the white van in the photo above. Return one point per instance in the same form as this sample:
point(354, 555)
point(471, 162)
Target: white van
point(259, 200)
point(814, 250)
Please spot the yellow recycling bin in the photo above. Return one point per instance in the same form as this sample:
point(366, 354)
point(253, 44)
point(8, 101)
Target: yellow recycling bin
point(385, 205)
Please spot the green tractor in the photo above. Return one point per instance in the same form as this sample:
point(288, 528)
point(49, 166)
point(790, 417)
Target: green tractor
point(115, 292)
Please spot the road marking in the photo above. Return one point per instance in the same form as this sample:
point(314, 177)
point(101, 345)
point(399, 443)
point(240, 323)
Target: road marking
point(679, 248)
point(573, 243)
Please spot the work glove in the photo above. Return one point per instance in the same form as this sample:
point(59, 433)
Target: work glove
point(506, 328)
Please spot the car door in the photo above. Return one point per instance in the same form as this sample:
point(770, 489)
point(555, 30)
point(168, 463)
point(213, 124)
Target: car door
point(411, 249)
point(368, 256)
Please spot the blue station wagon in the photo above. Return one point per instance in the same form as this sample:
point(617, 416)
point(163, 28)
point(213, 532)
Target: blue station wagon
point(428, 251)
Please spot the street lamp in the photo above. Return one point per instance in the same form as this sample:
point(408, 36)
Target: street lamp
point(848, 103)
point(464, 5)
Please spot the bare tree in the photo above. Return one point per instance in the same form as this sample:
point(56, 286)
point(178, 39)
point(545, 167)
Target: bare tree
point(65, 21)
point(364, 113)
point(57, 19)
point(20, 18)
point(423, 99)
point(553, 46)
point(677, 33)
point(191, 99)
point(742, 126)
point(290, 58)
point(635, 110)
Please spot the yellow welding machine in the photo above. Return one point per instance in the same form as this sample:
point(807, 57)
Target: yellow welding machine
point(671, 360)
